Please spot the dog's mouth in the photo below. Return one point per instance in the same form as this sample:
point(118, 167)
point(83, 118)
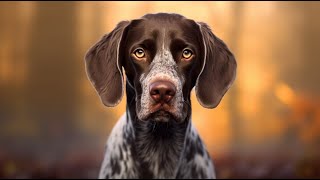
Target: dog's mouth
point(163, 113)
point(160, 107)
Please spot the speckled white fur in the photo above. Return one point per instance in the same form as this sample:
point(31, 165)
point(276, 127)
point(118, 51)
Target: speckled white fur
point(114, 142)
point(163, 67)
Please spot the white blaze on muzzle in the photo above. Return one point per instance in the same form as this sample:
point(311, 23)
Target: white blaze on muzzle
point(163, 67)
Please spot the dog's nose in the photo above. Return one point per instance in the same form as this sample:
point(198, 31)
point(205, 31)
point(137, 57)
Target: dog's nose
point(162, 91)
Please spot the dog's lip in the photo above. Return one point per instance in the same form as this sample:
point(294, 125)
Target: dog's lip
point(160, 107)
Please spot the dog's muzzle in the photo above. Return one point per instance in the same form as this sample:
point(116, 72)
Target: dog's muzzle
point(162, 92)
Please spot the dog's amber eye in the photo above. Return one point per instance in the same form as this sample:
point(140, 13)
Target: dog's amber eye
point(187, 54)
point(139, 53)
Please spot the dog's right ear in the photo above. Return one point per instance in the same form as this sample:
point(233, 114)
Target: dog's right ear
point(104, 67)
point(218, 71)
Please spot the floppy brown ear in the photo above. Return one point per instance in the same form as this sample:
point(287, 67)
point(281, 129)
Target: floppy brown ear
point(218, 72)
point(103, 66)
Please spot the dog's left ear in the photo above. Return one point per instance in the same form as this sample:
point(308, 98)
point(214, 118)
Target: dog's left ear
point(104, 65)
point(218, 71)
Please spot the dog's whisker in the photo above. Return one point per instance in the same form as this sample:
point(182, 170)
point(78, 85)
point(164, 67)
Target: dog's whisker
point(154, 125)
point(187, 103)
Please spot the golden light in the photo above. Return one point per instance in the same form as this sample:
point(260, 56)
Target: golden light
point(284, 93)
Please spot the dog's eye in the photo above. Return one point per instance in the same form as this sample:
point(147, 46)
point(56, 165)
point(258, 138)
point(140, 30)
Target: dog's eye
point(187, 54)
point(139, 53)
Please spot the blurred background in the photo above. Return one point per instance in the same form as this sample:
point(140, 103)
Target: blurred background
point(53, 125)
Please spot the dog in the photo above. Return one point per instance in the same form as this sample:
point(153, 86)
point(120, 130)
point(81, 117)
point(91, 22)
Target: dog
point(164, 56)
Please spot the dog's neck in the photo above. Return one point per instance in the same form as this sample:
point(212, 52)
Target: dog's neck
point(156, 146)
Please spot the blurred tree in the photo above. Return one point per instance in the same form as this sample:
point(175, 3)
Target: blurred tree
point(14, 18)
point(302, 74)
point(235, 116)
point(53, 89)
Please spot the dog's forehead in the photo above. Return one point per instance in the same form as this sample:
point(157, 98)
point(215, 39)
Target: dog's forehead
point(161, 30)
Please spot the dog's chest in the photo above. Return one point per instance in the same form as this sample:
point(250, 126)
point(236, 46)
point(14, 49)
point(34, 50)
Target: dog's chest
point(125, 156)
point(118, 161)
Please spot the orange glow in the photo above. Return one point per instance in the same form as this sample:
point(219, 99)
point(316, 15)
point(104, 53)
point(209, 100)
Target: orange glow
point(274, 103)
point(284, 93)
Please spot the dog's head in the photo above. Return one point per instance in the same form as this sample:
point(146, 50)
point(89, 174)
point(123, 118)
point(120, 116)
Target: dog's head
point(164, 57)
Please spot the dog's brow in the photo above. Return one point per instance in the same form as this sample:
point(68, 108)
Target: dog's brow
point(155, 34)
point(164, 36)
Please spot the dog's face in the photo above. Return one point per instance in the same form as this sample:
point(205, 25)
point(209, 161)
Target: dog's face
point(164, 57)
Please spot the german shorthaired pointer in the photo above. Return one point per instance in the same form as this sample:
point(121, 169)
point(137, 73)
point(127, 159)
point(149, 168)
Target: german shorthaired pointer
point(164, 56)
